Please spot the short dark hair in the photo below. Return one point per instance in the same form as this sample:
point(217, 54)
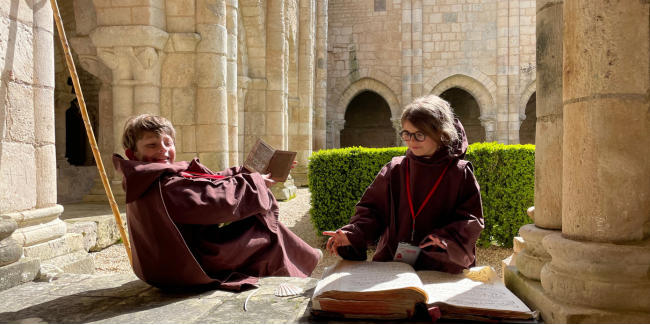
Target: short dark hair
point(136, 127)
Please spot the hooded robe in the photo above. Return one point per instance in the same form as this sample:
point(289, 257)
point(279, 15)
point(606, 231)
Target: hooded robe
point(176, 240)
point(453, 214)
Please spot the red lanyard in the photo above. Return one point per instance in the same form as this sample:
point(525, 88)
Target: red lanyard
point(408, 191)
point(200, 175)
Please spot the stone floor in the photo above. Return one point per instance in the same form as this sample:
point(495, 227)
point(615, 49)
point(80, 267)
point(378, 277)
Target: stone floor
point(123, 298)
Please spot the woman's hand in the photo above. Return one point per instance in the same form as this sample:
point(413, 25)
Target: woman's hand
point(268, 181)
point(337, 240)
point(293, 164)
point(434, 241)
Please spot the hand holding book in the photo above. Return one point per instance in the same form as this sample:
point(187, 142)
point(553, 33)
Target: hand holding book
point(268, 177)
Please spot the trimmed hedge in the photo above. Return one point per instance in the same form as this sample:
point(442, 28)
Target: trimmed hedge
point(506, 174)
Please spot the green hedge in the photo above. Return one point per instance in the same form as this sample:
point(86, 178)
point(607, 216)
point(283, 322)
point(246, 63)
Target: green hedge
point(506, 173)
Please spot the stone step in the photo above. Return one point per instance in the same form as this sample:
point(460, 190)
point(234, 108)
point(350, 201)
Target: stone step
point(10, 251)
point(96, 198)
point(78, 262)
point(24, 270)
point(67, 244)
point(98, 232)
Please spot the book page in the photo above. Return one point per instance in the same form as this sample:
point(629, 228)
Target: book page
point(259, 157)
point(367, 276)
point(485, 292)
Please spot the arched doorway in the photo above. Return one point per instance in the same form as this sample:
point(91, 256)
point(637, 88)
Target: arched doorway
point(367, 122)
point(527, 129)
point(467, 111)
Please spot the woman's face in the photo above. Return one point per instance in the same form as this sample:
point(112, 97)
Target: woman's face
point(425, 148)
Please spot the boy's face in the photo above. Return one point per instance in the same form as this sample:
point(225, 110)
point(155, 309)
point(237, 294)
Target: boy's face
point(154, 148)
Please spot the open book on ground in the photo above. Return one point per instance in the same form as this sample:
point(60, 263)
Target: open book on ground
point(264, 160)
point(390, 290)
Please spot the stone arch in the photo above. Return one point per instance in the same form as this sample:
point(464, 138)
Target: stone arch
point(467, 78)
point(473, 87)
point(525, 96)
point(385, 83)
point(367, 84)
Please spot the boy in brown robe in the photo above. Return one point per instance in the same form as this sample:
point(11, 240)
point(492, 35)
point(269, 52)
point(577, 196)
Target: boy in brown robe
point(174, 210)
point(448, 224)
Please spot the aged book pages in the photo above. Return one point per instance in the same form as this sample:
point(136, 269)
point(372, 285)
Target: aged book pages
point(390, 290)
point(387, 290)
point(264, 159)
point(480, 289)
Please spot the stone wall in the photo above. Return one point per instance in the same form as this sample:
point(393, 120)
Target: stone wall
point(415, 47)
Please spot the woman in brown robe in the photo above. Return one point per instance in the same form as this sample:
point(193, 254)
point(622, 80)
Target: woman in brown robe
point(450, 221)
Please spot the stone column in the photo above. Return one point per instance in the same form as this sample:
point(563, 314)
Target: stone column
point(416, 35)
point(231, 84)
point(17, 148)
point(397, 126)
point(335, 127)
point(503, 41)
point(319, 135)
point(513, 72)
point(276, 55)
point(548, 149)
point(28, 209)
point(134, 55)
point(599, 264)
point(489, 123)
point(301, 136)
point(211, 79)
point(407, 53)
point(603, 256)
point(243, 83)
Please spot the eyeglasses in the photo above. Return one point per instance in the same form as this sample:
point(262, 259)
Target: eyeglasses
point(419, 136)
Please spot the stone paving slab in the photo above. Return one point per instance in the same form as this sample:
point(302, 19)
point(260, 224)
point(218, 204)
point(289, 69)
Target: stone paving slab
point(123, 298)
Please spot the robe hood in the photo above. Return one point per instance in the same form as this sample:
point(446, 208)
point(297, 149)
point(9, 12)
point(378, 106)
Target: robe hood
point(457, 150)
point(138, 175)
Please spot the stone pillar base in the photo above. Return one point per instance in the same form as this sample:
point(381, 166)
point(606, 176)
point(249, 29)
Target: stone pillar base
point(299, 175)
point(25, 270)
point(598, 275)
point(555, 311)
point(533, 256)
point(284, 191)
point(66, 253)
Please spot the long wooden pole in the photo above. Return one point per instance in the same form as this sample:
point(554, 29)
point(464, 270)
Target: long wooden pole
point(89, 129)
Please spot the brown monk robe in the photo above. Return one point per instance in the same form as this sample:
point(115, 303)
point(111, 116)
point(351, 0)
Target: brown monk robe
point(453, 214)
point(176, 240)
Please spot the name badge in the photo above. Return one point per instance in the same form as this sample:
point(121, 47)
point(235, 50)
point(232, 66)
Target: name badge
point(407, 253)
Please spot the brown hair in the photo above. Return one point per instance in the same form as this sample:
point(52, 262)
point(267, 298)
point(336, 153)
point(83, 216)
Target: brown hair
point(433, 116)
point(136, 127)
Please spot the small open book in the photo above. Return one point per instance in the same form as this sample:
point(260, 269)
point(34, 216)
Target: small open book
point(390, 290)
point(264, 159)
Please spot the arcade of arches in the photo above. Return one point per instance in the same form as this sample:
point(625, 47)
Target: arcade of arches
point(367, 123)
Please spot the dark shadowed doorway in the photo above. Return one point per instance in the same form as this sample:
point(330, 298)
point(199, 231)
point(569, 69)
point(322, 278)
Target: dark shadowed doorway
point(367, 123)
point(527, 129)
point(467, 111)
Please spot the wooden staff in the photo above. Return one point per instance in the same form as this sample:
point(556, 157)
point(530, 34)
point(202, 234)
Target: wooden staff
point(89, 129)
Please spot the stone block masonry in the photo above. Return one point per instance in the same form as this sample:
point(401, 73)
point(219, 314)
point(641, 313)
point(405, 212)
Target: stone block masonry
point(415, 44)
